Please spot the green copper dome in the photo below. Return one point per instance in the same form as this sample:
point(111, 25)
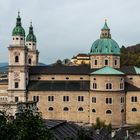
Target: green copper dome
point(31, 37)
point(105, 45)
point(18, 30)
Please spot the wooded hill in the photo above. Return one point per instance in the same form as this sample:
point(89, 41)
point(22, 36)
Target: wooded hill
point(130, 56)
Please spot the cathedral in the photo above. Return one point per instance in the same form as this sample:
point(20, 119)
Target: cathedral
point(80, 93)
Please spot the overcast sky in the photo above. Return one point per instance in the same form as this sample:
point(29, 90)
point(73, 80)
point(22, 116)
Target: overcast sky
point(67, 27)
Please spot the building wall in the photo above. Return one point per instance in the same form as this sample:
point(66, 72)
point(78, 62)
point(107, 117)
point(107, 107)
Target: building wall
point(58, 104)
point(133, 79)
point(116, 117)
point(59, 77)
point(101, 61)
point(101, 82)
point(132, 117)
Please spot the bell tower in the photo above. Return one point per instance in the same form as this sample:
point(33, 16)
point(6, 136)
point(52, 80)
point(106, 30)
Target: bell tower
point(18, 73)
point(31, 43)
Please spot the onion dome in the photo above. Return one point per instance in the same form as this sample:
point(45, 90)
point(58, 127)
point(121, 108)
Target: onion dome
point(105, 45)
point(31, 37)
point(18, 30)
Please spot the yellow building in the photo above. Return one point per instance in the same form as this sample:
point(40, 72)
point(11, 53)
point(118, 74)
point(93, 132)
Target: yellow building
point(80, 93)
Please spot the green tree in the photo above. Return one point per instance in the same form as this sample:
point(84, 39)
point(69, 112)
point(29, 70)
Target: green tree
point(26, 126)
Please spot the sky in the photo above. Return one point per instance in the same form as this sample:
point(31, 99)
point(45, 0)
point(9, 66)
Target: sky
point(65, 28)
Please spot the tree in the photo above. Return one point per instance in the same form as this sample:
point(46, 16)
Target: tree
point(26, 126)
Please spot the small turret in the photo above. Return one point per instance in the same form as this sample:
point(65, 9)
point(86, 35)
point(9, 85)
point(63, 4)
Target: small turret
point(105, 31)
point(31, 39)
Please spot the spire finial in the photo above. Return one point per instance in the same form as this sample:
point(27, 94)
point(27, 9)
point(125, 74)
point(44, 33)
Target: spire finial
point(18, 12)
point(31, 23)
point(105, 20)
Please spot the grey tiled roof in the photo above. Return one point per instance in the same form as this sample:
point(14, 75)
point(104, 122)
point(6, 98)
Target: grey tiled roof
point(58, 86)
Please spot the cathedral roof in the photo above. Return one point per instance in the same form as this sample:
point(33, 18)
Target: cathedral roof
point(60, 69)
point(58, 86)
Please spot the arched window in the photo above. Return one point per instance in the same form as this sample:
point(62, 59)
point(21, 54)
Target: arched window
point(108, 112)
point(16, 59)
point(95, 62)
point(106, 62)
point(66, 109)
point(122, 110)
point(80, 109)
point(94, 86)
point(50, 109)
point(115, 62)
point(121, 85)
point(134, 109)
point(93, 110)
point(29, 61)
point(108, 86)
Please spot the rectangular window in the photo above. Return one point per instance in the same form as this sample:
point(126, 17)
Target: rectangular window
point(134, 99)
point(93, 99)
point(16, 84)
point(50, 98)
point(16, 99)
point(80, 98)
point(35, 98)
point(65, 98)
point(122, 99)
point(108, 100)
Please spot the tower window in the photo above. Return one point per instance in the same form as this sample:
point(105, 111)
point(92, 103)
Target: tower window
point(108, 86)
point(13, 38)
point(93, 110)
point(21, 38)
point(50, 98)
point(134, 109)
point(16, 85)
point(67, 78)
point(16, 99)
point(65, 98)
point(93, 99)
point(66, 109)
point(108, 100)
point(16, 38)
point(122, 99)
point(121, 85)
point(16, 59)
point(29, 61)
point(106, 62)
point(29, 43)
point(81, 98)
point(80, 109)
point(35, 98)
point(115, 62)
point(134, 99)
point(94, 86)
point(50, 109)
point(95, 62)
point(108, 112)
